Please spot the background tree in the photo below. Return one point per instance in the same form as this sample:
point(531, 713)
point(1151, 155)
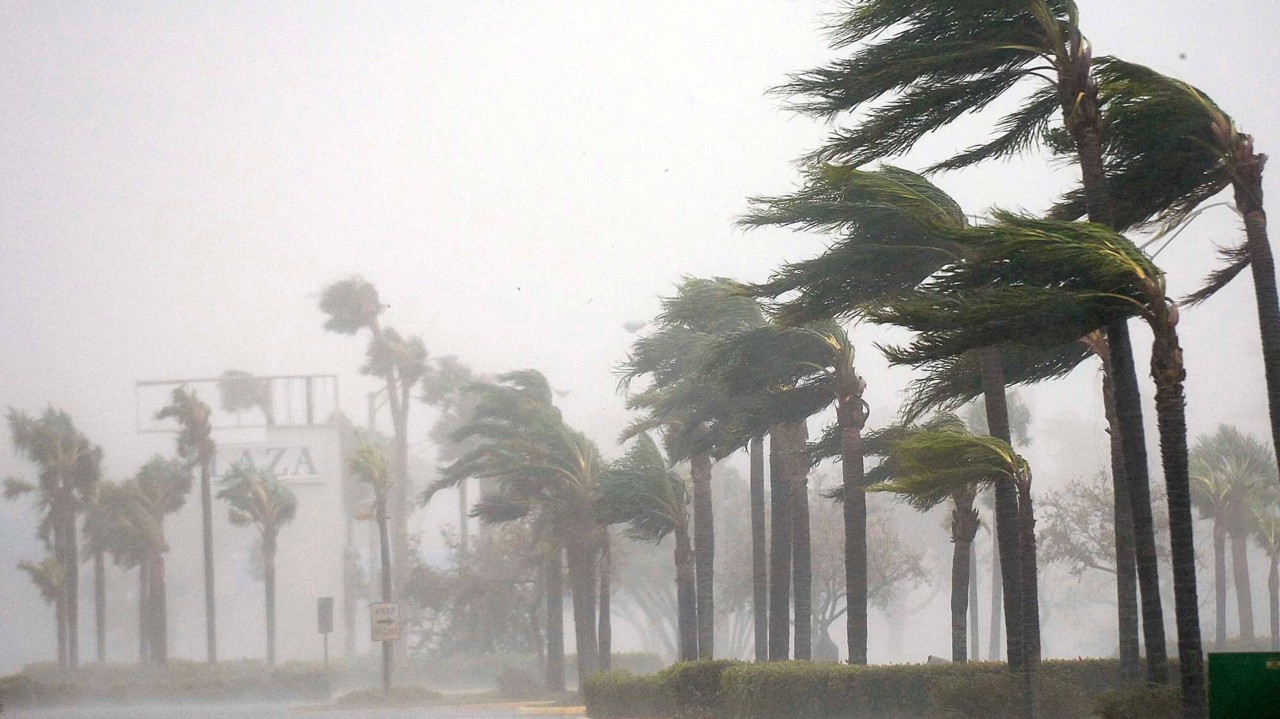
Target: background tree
point(195, 444)
point(239, 391)
point(1267, 535)
point(1230, 475)
point(639, 491)
point(541, 468)
point(353, 305)
point(160, 487)
point(682, 405)
point(68, 466)
point(259, 499)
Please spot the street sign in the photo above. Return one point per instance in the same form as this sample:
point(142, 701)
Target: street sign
point(324, 614)
point(384, 620)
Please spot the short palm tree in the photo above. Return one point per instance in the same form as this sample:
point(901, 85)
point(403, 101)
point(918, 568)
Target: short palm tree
point(259, 499)
point(682, 407)
point(195, 444)
point(944, 463)
point(1040, 282)
point(69, 466)
point(368, 462)
point(923, 496)
point(653, 501)
point(540, 467)
point(160, 488)
point(1267, 534)
point(1230, 474)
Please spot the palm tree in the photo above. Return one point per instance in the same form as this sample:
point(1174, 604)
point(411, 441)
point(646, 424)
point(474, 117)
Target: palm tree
point(1039, 282)
point(639, 491)
point(160, 487)
point(540, 468)
point(1267, 534)
point(97, 529)
point(69, 466)
point(937, 61)
point(50, 579)
point(701, 310)
point(1230, 473)
point(801, 371)
point(259, 499)
point(195, 444)
point(368, 461)
point(353, 305)
point(944, 462)
point(239, 391)
point(924, 497)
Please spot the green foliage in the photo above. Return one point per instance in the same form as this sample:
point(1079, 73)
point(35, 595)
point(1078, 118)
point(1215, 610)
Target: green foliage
point(1139, 701)
point(1000, 696)
point(696, 687)
point(618, 694)
point(352, 305)
point(237, 680)
point(257, 498)
point(641, 492)
point(514, 683)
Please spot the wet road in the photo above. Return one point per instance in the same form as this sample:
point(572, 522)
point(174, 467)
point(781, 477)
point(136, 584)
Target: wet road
point(255, 711)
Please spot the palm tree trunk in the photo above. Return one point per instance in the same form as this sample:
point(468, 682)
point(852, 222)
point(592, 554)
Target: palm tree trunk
point(1122, 518)
point(72, 569)
point(1167, 369)
point(852, 418)
point(269, 572)
point(582, 584)
point(759, 553)
point(400, 505)
point(960, 551)
point(993, 393)
point(384, 546)
point(779, 546)
point(801, 557)
point(555, 621)
point(1243, 584)
point(1084, 122)
point(1030, 598)
point(997, 603)
point(605, 629)
point(975, 639)
point(210, 606)
point(704, 549)
point(464, 508)
point(144, 632)
point(158, 609)
point(1273, 589)
point(60, 601)
point(1219, 585)
point(686, 599)
point(100, 603)
point(1248, 194)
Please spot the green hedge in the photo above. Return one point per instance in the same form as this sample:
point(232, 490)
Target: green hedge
point(803, 690)
point(239, 680)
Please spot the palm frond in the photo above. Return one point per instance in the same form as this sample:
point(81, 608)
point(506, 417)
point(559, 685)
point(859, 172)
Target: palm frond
point(1237, 260)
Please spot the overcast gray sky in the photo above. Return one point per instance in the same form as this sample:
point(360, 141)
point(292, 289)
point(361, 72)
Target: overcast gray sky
point(178, 181)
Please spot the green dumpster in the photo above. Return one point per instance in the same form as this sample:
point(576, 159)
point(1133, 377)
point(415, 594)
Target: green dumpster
point(1244, 685)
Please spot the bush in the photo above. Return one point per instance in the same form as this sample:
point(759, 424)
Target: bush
point(1000, 696)
point(694, 687)
point(398, 697)
point(178, 680)
point(1138, 701)
point(518, 684)
point(619, 693)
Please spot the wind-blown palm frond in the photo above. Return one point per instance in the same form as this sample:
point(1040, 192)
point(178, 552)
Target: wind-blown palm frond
point(256, 497)
point(887, 241)
point(641, 492)
point(928, 467)
point(352, 305)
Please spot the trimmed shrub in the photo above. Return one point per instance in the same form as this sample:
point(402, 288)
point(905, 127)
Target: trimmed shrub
point(238, 680)
point(619, 693)
point(1138, 701)
point(694, 687)
point(518, 684)
point(1000, 696)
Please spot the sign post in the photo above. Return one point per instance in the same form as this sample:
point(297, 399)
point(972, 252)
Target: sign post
point(384, 626)
point(324, 621)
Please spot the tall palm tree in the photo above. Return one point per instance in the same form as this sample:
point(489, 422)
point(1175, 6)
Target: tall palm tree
point(800, 371)
point(69, 466)
point(1038, 282)
point(97, 531)
point(353, 305)
point(540, 467)
point(259, 499)
point(195, 444)
point(368, 461)
point(936, 61)
point(1267, 534)
point(924, 496)
point(127, 535)
point(1230, 473)
point(669, 358)
point(641, 492)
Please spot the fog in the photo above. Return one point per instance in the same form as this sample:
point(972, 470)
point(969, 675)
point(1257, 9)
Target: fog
point(178, 182)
